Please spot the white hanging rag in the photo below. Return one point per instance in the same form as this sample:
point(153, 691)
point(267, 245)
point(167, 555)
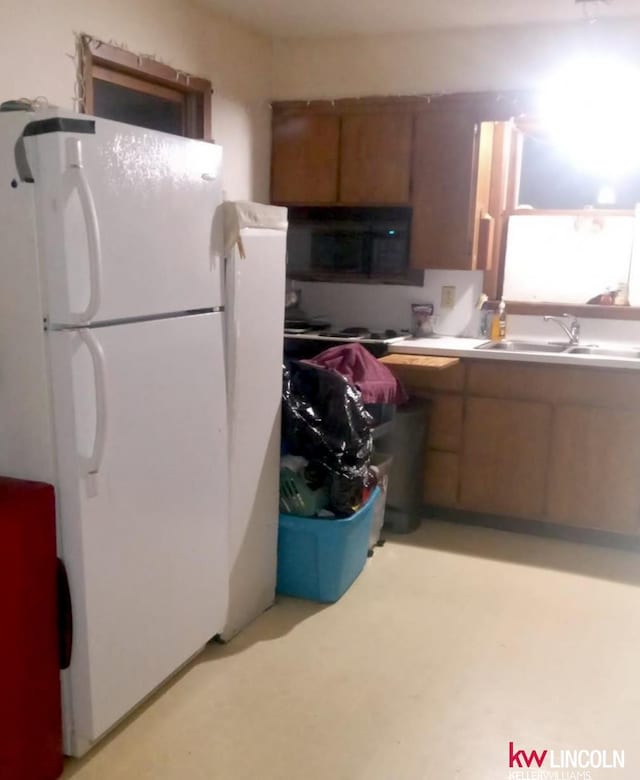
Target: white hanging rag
point(244, 214)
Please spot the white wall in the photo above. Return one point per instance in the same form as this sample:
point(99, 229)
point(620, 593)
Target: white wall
point(389, 306)
point(443, 61)
point(38, 37)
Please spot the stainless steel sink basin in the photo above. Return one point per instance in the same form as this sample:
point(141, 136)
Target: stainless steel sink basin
point(524, 346)
point(629, 354)
point(588, 350)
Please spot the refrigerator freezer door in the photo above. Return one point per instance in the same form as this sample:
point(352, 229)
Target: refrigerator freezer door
point(140, 425)
point(255, 291)
point(125, 221)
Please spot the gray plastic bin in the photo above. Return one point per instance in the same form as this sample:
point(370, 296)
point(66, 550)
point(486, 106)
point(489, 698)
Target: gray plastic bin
point(382, 461)
point(406, 477)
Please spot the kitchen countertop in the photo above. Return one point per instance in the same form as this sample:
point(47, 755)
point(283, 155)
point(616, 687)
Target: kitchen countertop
point(466, 348)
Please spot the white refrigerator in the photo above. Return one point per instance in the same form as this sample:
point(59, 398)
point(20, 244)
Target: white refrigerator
point(255, 240)
point(113, 388)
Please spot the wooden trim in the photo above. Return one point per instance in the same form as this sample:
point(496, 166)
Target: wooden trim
point(121, 59)
point(137, 84)
point(540, 308)
point(577, 310)
point(520, 212)
point(500, 200)
point(486, 229)
point(98, 58)
point(520, 100)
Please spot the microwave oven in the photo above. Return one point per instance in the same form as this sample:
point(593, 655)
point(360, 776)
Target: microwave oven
point(343, 244)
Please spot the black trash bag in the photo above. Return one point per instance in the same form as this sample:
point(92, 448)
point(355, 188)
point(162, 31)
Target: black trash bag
point(324, 420)
point(346, 493)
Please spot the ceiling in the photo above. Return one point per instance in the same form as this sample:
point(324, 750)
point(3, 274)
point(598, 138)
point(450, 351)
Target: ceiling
point(317, 18)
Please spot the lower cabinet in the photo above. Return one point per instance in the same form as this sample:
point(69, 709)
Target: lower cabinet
point(446, 422)
point(554, 443)
point(594, 469)
point(504, 457)
point(441, 478)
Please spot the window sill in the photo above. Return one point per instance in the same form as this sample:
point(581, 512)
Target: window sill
point(575, 309)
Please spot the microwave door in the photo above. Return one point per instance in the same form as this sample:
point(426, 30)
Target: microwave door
point(389, 253)
point(340, 251)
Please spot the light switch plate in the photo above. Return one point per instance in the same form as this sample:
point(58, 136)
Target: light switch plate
point(448, 297)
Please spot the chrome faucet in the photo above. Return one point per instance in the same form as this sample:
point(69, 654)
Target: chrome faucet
point(572, 330)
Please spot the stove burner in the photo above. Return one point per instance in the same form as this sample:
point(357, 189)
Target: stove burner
point(356, 332)
point(389, 333)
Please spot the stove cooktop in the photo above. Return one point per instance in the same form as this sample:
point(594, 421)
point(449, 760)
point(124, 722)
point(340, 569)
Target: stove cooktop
point(361, 334)
point(356, 333)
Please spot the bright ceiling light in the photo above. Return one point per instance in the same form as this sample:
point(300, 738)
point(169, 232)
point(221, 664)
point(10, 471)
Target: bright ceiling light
point(591, 110)
point(606, 195)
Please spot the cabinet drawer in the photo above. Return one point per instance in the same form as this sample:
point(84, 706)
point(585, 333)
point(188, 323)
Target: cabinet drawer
point(554, 384)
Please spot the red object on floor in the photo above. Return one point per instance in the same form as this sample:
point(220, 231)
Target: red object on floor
point(30, 719)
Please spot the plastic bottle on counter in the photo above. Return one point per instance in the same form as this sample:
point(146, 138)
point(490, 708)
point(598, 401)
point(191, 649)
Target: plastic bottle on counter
point(499, 322)
point(502, 319)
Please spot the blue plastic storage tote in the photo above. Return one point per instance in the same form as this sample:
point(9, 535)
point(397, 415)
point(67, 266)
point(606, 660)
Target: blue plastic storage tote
point(318, 559)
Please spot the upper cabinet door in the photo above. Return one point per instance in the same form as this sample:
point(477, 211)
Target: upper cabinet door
point(375, 165)
point(444, 184)
point(304, 164)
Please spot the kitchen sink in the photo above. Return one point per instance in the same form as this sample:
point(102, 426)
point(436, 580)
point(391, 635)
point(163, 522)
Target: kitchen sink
point(524, 346)
point(629, 354)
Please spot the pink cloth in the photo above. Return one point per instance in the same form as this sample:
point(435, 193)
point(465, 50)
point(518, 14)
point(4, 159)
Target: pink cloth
point(376, 383)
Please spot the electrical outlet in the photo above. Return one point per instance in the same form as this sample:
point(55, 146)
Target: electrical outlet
point(448, 297)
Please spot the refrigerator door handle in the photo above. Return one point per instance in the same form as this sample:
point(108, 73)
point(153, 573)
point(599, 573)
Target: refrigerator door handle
point(94, 461)
point(75, 170)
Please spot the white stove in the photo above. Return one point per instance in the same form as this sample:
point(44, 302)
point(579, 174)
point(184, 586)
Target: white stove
point(359, 334)
point(306, 342)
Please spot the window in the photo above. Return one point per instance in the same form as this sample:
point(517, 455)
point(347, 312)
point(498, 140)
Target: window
point(116, 84)
point(578, 258)
point(568, 240)
point(550, 181)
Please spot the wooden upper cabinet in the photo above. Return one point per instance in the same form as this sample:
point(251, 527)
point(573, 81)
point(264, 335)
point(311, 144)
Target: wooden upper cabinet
point(375, 158)
point(451, 187)
point(304, 160)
